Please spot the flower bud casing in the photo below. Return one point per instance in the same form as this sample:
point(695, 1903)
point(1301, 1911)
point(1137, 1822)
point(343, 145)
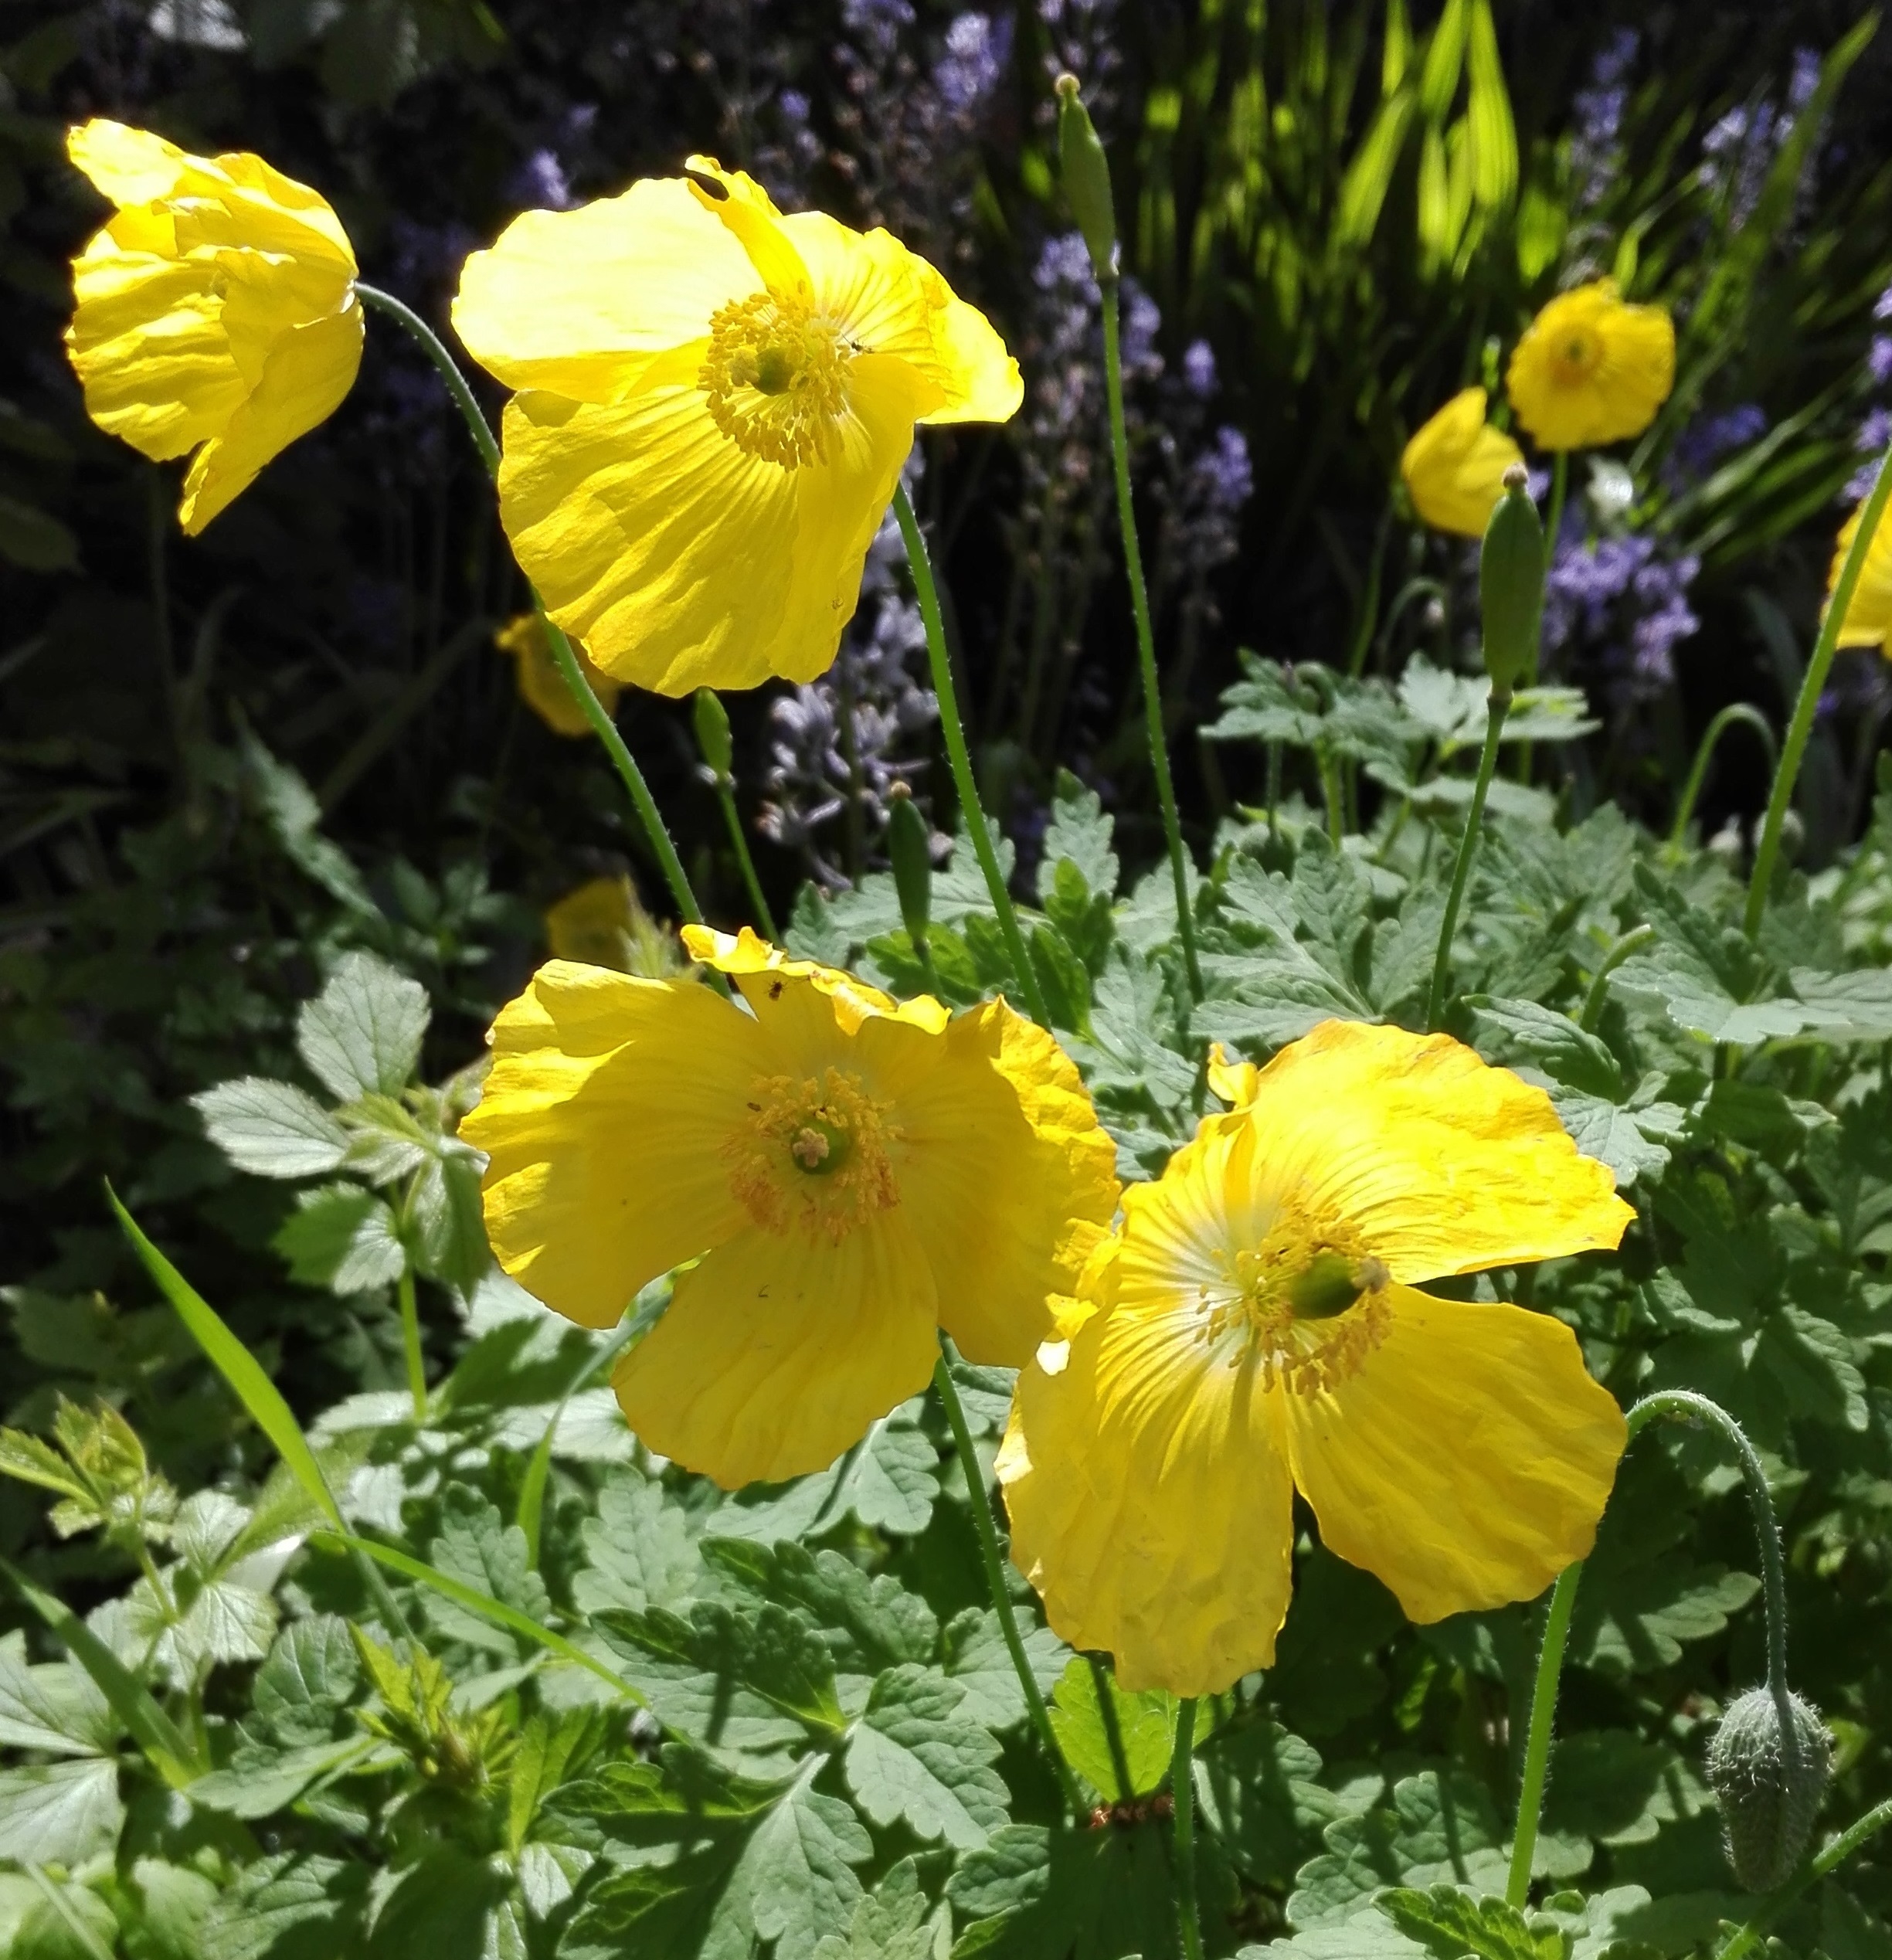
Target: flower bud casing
point(1770, 1789)
point(1086, 172)
point(1510, 586)
point(911, 848)
point(712, 733)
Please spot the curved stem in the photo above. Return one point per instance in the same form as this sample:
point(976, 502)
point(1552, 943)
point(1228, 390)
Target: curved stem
point(972, 815)
point(1145, 636)
point(1835, 1855)
point(435, 348)
point(987, 1530)
point(1499, 706)
point(1800, 730)
point(1632, 941)
point(1538, 1744)
point(410, 1346)
point(1736, 712)
point(759, 904)
point(1182, 1790)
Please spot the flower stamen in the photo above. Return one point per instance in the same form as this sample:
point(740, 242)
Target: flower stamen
point(812, 1153)
point(775, 376)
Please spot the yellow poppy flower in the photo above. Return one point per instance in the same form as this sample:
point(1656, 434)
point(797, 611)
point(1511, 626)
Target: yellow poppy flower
point(217, 311)
point(541, 686)
point(1868, 621)
point(603, 924)
point(716, 401)
point(1592, 368)
point(850, 1174)
point(1252, 1327)
point(1454, 466)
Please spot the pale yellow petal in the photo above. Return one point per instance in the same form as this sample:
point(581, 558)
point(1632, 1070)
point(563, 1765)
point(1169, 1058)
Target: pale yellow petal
point(128, 165)
point(1454, 466)
point(1868, 621)
point(779, 1352)
point(586, 303)
point(605, 1117)
point(1440, 1162)
point(1467, 1462)
point(748, 213)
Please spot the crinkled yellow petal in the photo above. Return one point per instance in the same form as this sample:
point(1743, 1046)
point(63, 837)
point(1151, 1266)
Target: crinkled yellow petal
point(604, 1118)
point(586, 303)
point(1011, 1181)
point(1468, 1461)
point(1147, 1485)
point(748, 213)
point(1868, 621)
point(1441, 1162)
point(800, 1002)
point(1590, 368)
point(778, 1352)
point(1231, 1082)
point(309, 370)
point(130, 166)
point(1454, 466)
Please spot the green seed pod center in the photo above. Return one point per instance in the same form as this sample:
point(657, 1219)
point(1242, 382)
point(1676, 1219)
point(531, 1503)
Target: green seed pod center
point(820, 1148)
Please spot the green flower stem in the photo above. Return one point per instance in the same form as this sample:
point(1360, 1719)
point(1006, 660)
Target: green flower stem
point(987, 1529)
point(1800, 730)
point(1183, 1791)
point(1736, 712)
point(971, 815)
point(1103, 1681)
point(1553, 518)
point(1632, 941)
point(410, 1346)
point(1835, 1855)
point(1684, 1405)
point(1499, 706)
point(1146, 635)
point(588, 705)
point(759, 904)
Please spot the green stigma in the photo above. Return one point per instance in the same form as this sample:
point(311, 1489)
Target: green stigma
point(818, 1147)
point(1332, 1283)
point(775, 372)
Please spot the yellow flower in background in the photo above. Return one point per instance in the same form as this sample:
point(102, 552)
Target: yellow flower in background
point(541, 686)
point(1253, 1327)
point(1592, 368)
point(850, 1174)
point(603, 924)
point(217, 311)
point(714, 403)
point(1868, 621)
point(1454, 466)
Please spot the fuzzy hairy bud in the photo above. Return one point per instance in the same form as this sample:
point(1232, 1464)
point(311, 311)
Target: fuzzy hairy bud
point(712, 733)
point(1510, 586)
point(1086, 172)
point(1771, 1784)
point(909, 846)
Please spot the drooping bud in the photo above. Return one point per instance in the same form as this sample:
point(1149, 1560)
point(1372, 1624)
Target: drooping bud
point(712, 734)
point(1510, 586)
point(1771, 1783)
point(1086, 172)
point(911, 848)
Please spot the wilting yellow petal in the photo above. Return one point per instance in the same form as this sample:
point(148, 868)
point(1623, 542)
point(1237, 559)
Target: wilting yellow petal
point(605, 1117)
point(1441, 1163)
point(1454, 466)
point(1591, 369)
point(1466, 1462)
point(778, 1351)
point(1868, 621)
point(747, 212)
point(541, 686)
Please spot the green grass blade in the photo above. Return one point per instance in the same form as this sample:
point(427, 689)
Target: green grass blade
point(236, 1364)
point(154, 1732)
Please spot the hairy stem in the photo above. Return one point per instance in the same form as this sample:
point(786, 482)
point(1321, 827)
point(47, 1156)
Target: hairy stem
point(1496, 710)
point(1736, 711)
point(1835, 1855)
point(1183, 1790)
point(410, 1346)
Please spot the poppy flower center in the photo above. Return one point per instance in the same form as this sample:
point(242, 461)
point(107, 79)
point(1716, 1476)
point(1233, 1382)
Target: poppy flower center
point(812, 1153)
point(1577, 357)
point(775, 377)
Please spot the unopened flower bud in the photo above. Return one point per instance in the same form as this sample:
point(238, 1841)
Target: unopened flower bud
point(1086, 172)
point(1511, 584)
point(712, 733)
point(911, 848)
point(1771, 1784)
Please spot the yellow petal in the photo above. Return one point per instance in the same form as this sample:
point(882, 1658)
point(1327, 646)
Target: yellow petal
point(1231, 1082)
point(586, 303)
point(130, 166)
point(1467, 1462)
point(748, 213)
point(1454, 466)
point(1441, 1162)
point(1013, 1180)
point(604, 1117)
point(1147, 1486)
point(1868, 621)
point(801, 1003)
point(541, 686)
point(778, 1352)
point(1591, 369)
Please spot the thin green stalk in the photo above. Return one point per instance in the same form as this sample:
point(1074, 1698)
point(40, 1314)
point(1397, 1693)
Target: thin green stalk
point(54, 1894)
point(1182, 1790)
point(1102, 1681)
point(1835, 1855)
point(1538, 1744)
point(987, 1529)
point(1146, 635)
point(539, 1466)
point(1553, 518)
point(1736, 711)
point(1498, 708)
point(971, 815)
point(1800, 730)
point(725, 795)
point(435, 348)
point(410, 1346)
point(1632, 941)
